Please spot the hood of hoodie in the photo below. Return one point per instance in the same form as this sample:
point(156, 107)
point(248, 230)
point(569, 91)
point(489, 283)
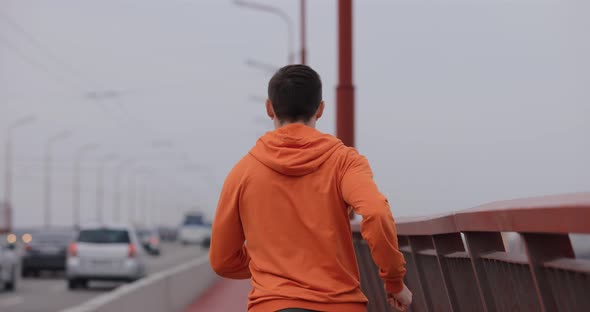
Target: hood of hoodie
point(295, 150)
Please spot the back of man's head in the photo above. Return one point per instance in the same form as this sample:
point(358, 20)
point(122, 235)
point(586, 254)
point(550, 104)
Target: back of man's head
point(295, 92)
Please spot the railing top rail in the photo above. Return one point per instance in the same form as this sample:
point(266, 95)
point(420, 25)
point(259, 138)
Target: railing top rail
point(439, 224)
point(564, 213)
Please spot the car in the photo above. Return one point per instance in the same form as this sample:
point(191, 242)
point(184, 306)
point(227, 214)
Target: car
point(9, 263)
point(168, 233)
point(194, 230)
point(150, 240)
point(46, 250)
point(105, 252)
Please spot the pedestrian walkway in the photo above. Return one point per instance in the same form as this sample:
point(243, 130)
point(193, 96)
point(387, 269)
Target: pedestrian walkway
point(460, 261)
point(224, 296)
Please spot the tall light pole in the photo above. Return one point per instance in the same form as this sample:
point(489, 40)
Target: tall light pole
point(143, 200)
point(142, 189)
point(134, 200)
point(302, 31)
point(48, 166)
point(21, 122)
point(119, 170)
point(280, 13)
point(155, 211)
point(100, 194)
point(77, 188)
point(131, 195)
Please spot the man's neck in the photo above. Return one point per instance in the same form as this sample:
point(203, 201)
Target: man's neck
point(279, 124)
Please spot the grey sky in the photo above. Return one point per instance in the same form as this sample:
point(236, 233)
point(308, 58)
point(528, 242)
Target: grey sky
point(459, 102)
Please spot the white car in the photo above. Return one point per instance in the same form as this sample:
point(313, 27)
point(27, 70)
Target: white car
point(194, 230)
point(105, 252)
point(9, 265)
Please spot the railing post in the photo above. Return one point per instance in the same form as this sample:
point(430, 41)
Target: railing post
point(417, 244)
point(371, 283)
point(445, 244)
point(541, 248)
point(479, 243)
point(412, 278)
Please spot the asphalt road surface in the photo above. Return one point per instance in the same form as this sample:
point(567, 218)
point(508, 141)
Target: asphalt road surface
point(49, 293)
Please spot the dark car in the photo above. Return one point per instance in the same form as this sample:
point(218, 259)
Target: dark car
point(46, 251)
point(169, 234)
point(150, 240)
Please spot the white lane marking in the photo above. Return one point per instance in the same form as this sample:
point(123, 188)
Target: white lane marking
point(175, 257)
point(11, 301)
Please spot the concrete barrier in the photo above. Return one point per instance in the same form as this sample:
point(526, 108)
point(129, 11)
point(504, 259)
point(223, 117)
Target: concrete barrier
point(167, 291)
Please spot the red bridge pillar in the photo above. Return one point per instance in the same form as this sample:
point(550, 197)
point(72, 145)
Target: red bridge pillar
point(345, 88)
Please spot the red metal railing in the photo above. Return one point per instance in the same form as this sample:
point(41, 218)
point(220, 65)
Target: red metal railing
point(462, 261)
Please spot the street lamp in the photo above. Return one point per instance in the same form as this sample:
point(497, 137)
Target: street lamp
point(152, 211)
point(269, 68)
point(77, 190)
point(117, 185)
point(48, 166)
point(100, 195)
point(143, 198)
point(302, 31)
point(155, 211)
point(21, 122)
point(280, 13)
point(131, 196)
point(133, 190)
point(143, 203)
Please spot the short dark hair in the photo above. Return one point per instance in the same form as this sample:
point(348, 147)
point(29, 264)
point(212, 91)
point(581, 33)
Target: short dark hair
point(295, 92)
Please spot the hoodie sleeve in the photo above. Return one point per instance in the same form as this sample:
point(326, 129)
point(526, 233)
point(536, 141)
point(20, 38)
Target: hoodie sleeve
point(228, 254)
point(377, 227)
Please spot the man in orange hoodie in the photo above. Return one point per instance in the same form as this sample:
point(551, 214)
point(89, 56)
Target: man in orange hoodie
point(282, 218)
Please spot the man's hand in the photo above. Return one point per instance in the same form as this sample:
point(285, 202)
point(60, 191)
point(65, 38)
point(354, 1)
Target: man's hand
point(400, 301)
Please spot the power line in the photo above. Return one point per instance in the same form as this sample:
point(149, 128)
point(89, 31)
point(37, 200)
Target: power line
point(141, 127)
point(32, 39)
point(40, 46)
point(30, 61)
point(107, 94)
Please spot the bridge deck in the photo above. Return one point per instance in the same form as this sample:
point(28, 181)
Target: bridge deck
point(224, 296)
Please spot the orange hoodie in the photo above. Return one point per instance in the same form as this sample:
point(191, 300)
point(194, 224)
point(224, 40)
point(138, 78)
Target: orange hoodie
point(282, 220)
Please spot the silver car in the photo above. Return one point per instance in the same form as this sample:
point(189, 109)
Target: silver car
point(110, 252)
point(9, 266)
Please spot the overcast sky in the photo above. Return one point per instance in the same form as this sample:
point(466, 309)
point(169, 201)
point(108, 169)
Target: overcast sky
point(459, 102)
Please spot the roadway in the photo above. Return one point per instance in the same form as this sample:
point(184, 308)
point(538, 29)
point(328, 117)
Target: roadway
point(49, 293)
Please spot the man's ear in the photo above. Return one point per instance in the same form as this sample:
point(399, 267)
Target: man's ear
point(320, 111)
point(269, 110)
